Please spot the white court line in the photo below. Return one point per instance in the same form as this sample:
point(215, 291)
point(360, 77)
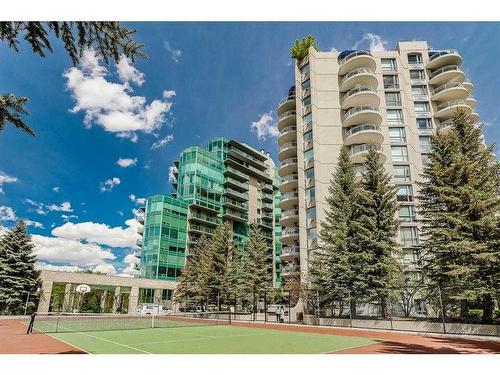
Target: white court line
point(350, 347)
point(205, 338)
point(101, 338)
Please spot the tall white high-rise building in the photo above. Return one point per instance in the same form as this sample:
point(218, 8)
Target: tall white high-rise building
point(392, 99)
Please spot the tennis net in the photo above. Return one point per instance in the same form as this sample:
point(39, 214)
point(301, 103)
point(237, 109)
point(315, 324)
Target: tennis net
point(77, 322)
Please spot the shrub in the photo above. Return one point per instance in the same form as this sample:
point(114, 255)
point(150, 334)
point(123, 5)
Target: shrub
point(300, 48)
point(496, 314)
point(475, 315)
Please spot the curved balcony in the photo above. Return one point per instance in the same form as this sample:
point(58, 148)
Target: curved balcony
point(361, 115)
point(290, 234)
point(287, 150)
point(363, 95)
point(468, 85)
point(288, 134)
point(290, 252)
point(471, 102)
point(366, 133)
point(288, 166)
point(289, 183)
point(287, 118)
point(286, 104)
point(289, 217)
point(357, 59)
point(450, 73)
point(447, 109)
point(358, 77)
point(444, 126)
point(442, 58)
point(289, 200)
point(450, 91)
point(474, 116)
point(358, 152)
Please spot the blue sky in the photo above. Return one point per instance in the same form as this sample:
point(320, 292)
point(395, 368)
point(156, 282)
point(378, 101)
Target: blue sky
point(225, 77)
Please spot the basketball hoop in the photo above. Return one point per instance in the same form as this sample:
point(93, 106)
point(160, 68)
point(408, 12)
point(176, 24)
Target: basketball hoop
point(82, 288)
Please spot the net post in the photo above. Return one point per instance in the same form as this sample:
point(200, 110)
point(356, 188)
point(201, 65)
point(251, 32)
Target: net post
point(57, 323)
point(32, 322)
point(152, 320)
point(350, 309)
point(289, 308)
point(218, 304)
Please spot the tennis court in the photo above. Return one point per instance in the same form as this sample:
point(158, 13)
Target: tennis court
point(184, 334)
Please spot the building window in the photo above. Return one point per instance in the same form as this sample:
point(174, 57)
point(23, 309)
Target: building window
point(414, 59)
point(402, 172)
point(417, 74)
point(404, 193)
point(394, 116)
point(392, 99)
point(309, 173)
point(409, 236)
point(419, 90)
point(388, 65)
point(308, 155)
point(306, 101)
point(306, 68)
point(399, 153)
point(310, 193)
point(397, 135)
point(308, 136)
point(306, 84)
point(424, 123)
point(421, 107)
point(425, 144)
point(391, 82)
point(407, 214)
point(307, 118)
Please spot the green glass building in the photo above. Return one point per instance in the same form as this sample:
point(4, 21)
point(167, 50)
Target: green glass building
point(226, 181)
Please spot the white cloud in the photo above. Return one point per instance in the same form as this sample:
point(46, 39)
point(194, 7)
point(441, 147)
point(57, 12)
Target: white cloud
point(131, 260)
point(171, 170)
point(33, 223)
point(3, 230)
point(375, 42)
point(54, 267)
point(68, 217)
point(109, 184)
point(63, 207)
point(6, 179)
point(57, 189)
point(62, 250)
point(265, 127)
point(7, 214)
point(111, 104)
point(333, 49)
point(167, 94)
point(101, 234)
point(126, 162)
point(162, 142)
point(136, 199)
point(128, 73)
point(105, 268)
point(175, 54)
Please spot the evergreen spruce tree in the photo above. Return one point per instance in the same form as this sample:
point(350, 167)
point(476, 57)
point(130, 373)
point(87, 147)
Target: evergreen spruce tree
point(221, 251)
point(17, 268)
point(255, 273)
point(460, 207)
point(338, 268)
point(191, 283)
point(378, 229)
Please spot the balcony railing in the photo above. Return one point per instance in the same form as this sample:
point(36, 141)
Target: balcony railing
point(446, 87)
point(293, 250)
point(289, 161)
point(138, 242)
point(306, 93)
point(305, 76)
point(391, 86)
point(361, 108)
point(289, 213)
point(445, 124)
point(290, 231)
point(306, 109)
point(360, 128)
point(287, 99)
point(433, 55)
point(288, 145)
point(235, 193)
point(356, 72)
point(289, 195)
point(358, 90)
point(209, 219)
point(444, 69)
point(291, 177)
point(290, 128)
point(357, 149)
point(354, 54)
point(450, 103)
point(291, 112)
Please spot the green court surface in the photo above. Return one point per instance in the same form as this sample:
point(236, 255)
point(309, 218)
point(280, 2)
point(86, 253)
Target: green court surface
point(220, 339)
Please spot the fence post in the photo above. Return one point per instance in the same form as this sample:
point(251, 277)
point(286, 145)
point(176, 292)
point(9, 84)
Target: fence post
point(390, 312)
point(218, 304)
point(442, 308)
point(349, 307)
point(26, 304)
point(265, 306)
point(317, 305)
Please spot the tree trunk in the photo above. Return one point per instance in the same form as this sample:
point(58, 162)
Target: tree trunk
point(383, 307)
point(487, 309)
point(464, 309)
point(353, 309)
